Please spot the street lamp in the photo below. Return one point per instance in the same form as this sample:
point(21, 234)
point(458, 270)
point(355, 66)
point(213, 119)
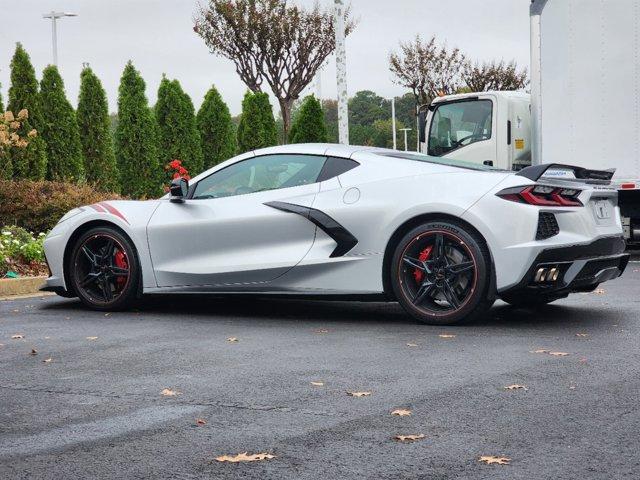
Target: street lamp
point(54, 33)
point(406, 145)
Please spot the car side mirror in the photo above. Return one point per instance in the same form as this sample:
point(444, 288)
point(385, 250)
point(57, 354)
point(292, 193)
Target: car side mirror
point(178, 190)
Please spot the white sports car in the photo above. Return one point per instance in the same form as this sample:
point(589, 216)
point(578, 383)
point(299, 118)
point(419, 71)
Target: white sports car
point(443, 238)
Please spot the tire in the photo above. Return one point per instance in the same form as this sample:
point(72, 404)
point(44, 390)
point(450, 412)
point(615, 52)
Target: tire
point(104, 271)
point(528, 300)
point(424, 278)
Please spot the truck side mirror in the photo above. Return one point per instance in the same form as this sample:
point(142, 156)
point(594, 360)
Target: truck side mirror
point(422, 126)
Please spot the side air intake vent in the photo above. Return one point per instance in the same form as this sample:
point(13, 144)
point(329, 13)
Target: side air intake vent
point(547, 226)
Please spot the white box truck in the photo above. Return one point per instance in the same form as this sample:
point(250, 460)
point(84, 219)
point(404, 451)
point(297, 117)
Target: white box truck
point(583, 110)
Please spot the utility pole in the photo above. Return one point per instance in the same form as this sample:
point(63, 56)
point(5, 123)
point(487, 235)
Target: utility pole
point(393, 122)
point(54, 32)
point(418, 129)
point(341, 74)
point(406, 145)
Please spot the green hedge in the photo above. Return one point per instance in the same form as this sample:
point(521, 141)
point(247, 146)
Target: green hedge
point(38, 205)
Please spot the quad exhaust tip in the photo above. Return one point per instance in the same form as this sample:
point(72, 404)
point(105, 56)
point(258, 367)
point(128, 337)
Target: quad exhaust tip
point(545, 274)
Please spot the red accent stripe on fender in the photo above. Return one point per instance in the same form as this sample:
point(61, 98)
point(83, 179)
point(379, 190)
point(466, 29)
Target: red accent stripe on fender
point(113, 211)
point(98, 208)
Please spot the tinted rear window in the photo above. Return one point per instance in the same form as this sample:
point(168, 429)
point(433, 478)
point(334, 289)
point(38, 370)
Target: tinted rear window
point(420, 157)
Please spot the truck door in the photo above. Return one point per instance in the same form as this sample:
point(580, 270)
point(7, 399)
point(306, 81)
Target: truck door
point(463, 130)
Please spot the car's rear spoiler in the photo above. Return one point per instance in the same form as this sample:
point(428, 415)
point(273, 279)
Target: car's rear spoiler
point(567, 173)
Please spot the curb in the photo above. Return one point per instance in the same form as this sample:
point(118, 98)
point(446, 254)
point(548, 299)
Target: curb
point(12, 287)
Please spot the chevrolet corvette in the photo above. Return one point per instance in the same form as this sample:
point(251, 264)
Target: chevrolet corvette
point(443, 238)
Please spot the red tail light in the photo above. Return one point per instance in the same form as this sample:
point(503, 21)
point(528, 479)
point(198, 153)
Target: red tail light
point(543, 196)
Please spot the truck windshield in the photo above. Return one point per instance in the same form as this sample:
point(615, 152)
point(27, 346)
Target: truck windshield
point(458, 124)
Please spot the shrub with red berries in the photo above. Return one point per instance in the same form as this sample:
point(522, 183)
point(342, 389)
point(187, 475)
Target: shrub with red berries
point(175, 170)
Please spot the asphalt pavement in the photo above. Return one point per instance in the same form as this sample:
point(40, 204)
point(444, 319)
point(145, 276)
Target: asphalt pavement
point(88, 403)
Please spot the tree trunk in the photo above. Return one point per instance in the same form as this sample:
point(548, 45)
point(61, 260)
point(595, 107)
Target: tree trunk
point(286, 105)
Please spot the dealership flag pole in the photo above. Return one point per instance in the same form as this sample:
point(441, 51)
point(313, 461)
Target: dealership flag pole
point(341, 74)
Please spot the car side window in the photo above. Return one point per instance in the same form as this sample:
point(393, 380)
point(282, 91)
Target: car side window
point(335, 166)
point(268, 172)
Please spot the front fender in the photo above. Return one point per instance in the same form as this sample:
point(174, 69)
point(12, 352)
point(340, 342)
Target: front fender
point(131, 217)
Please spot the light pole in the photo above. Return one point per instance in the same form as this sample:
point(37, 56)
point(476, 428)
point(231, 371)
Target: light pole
point(54, 32)
point(341, 74)
point(406, 145)
point(393, 122)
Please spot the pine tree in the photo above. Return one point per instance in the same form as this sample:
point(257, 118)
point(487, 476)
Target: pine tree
point(95, 134)
point(257, 127)
point(136, 138)
point(60, 129)
point(30, 162)
point(309, 126)
point(178, 133)
point(217, 132)
point(6, 170)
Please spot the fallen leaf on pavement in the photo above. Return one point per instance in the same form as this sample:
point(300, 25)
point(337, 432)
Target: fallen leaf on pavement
point(412, 344)
point(92, 338)
point(599, 291)
point(582, 334)
point(167, 392)
point(47, 360)
point(107, 314)
point(321, 330)
point(200, 421)
point(490, 459)
point(572, 387)
point(17, 336)
point(245, 457)
point(447, 336)
point(558, 354)
point(317, 384)
point(359, 394)
point(539, 351)
point(409, 438)
point(515, 386)
point(401, 413)
point(232, 340)
point(33, 352)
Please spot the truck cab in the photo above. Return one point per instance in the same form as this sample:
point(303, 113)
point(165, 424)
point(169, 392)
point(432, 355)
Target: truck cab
point(491, 128)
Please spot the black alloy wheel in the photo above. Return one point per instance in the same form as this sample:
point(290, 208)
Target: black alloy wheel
point(440, 274)
point(103, 269)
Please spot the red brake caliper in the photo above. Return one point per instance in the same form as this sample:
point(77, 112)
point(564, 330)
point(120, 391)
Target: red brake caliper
point(120, 259)
point(423, 257)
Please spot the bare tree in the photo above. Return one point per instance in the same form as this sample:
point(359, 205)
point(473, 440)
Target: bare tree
point(427, 68)
point(495, 76)
point(270, 41)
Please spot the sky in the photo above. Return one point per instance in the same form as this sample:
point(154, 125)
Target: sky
point(158, 37)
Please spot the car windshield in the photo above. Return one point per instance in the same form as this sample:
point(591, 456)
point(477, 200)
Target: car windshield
point(449, 162)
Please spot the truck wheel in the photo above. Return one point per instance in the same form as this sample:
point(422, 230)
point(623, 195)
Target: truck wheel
point(440, 274)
